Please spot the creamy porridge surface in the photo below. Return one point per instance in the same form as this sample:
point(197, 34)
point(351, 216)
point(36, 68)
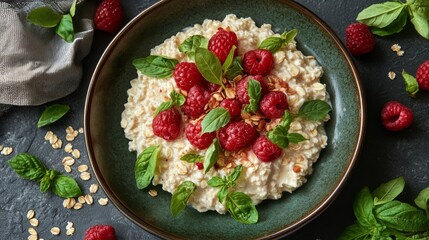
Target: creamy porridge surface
point(260, 180)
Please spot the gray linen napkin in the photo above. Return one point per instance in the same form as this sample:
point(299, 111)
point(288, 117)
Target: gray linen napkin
point(36, 65)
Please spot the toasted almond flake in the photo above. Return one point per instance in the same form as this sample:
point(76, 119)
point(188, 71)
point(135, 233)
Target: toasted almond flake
point(6, 150)
point(34, 222)
point(218, 97)
point(69, 225)
point(68, 161)
point(88, 199)
point(70, 231)
point(32, 237)
point(391, 75)
point(103, 201)
point(395, 47)
point(67, 168)
point(57, 144)
point(69, 129)
point(82, 168)
point(400, 53)
point(76, 153)
point(85, 176)
point(68, 148)
point(78, 206)
point(55, 231)
point(153, 193)
point(48, 135)
point(70, 137)
point(93, 188)
point(31, 214)
point(32, 231)
point(80, 130)
point(81, 199)
point(230, 93)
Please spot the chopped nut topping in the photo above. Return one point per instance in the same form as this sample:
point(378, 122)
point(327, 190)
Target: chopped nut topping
point(153, 193)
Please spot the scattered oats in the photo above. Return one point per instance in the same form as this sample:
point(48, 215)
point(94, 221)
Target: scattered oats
point(1, 147)
point(85, 176)
point(69, 130)
point(392, 75)
point(80, 130)
point(67, 168)
point(93, 188)
point(76, 153)
point(75, 133)
point(81, 199)
point(88, 199)
point(68, 148)
point(32, 237)
point(30, 214)
point(34, 222)
point(103, 201)
point(400, 53)
point(53, 139)
point(395, 47)
point(32, 231)
point(70, 137)
point(49, 135)
point(153, 193)
point(58, 144)
point(69, 203)
point(6, 150)
point(69, 225)
point(68, 161)
point(82, 168)
point(70, 231)
point(55, 231)
point(78, 206)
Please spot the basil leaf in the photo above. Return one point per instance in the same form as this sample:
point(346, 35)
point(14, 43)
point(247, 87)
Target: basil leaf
point(44, 17)
point(215, 119)
point(47, 179)
point(422, 199)
point(229, 59)
point(362, 208)
point(65, 187)
point(396, 26)
point(177, 98)
point(65, 28)
point(191, 158)
point(287, 119)
point(221, 195)
point(272, 44)
point(155, 66)
point(181, 196)
point(381, 14)
point(388, 191)
point(241, 208)
point(421, 25)
point(420, 7)
point(254, 90)
point(235, 174)
point(234, 70)
point(164, 106)
point(411, 85)
point(28, 167)
point(315, 110)
point(145, 166)
point(401, 216)
point(212, 155)
point(192, 43)
point(355, 232)
point(73, 8)
point(279, 136)
point(216, 182)
point(295, 137)
point(290, 36)
point(52, 113)
point(209, 66)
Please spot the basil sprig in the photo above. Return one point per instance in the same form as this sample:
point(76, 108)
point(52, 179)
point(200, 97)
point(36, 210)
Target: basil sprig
point(181, 197)
point(145, 166)
point(155, 66)
point(254, 90)
point(190, 45)
point(380, 216)
point(46, 17)
point(30, 167)
point(240, 207)
point(212, 155)
point(280, 134)
point(411, 84)
point(225, 183)
point(315, 110)
point(209, 66)
point(177, 99)
point(192, 158)
point(273, 44)
point(390, 17)
point(52, 114)
point(215, 119)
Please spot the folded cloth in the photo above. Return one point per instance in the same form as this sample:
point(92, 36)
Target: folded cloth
point(36, 65)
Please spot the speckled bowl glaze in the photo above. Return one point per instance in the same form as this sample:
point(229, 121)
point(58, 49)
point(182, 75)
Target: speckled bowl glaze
point(113, 164)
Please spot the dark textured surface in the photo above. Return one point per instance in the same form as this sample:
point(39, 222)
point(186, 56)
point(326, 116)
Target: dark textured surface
point(385, 155)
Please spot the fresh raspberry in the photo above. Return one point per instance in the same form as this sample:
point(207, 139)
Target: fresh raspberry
point(233, 106)
point(200, 165)
point(197, 98)
point(221, 43)
point(241, 88)
point(395, 116)
point(167, 124)
point(359, 39)
point(258, 62)
point(186, 75)
point(109, 16)
point(422, 75)
point(100, 232)
point(236, 136)
point(211, 86)
point(274, 104)
point(193, 134)
point(265, 150)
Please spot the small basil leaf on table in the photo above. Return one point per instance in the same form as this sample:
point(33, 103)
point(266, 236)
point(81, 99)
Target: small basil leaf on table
point(241, 208)
point(422, 199)
point(388, 191)
point(181, 196)
point(65, 28)
point(381, 14)
point(28, 167)
point(73, 8)
point(44, 17)
point(47, 180)
point(356, 232)
point(209, 66)
point(362, 208)
point(212, 154)
point(421, 25)
point(65, 187)
point(396, 26)
point(155, 66)
point(145, 166)
point(215, 119)
point(420, 7)
point(411, 85)
point(52, 114)
point(315, 110)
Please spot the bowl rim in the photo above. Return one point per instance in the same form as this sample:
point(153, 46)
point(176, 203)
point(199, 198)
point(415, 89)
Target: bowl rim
point(315, 212)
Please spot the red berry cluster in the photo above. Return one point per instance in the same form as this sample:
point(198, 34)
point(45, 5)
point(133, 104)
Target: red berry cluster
point(100, 232)
point(237, 134)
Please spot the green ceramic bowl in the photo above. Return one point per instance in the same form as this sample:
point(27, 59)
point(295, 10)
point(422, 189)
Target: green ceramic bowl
point(113, 164)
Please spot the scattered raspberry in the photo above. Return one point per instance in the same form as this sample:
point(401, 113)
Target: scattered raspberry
point(186, 75)
point(236, 136)
point(197, 98)
point(395, 116)
point(233, 106)
point(167, 124)
point(258, 62)
point(211, 86)
point(274, 104)
point(200, 165)
point(359, 39)
point(422, 75)
point(193, 134)
point(265, 150)
point(241, 89)
point(109, 16)
point(100, 232)
point(221, 43)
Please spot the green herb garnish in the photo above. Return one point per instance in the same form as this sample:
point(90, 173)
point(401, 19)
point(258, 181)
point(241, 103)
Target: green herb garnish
point(181, 196)
point(156, 66)
point(273, 44)
point(52, 114)
point(177, 99)
point(215, 119)
point(411, 84)
point(145, 166)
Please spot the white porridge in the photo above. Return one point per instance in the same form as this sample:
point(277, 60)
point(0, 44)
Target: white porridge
point(259, 180)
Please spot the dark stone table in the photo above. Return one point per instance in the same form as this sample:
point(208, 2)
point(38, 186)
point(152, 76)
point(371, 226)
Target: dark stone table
point(384, 156)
